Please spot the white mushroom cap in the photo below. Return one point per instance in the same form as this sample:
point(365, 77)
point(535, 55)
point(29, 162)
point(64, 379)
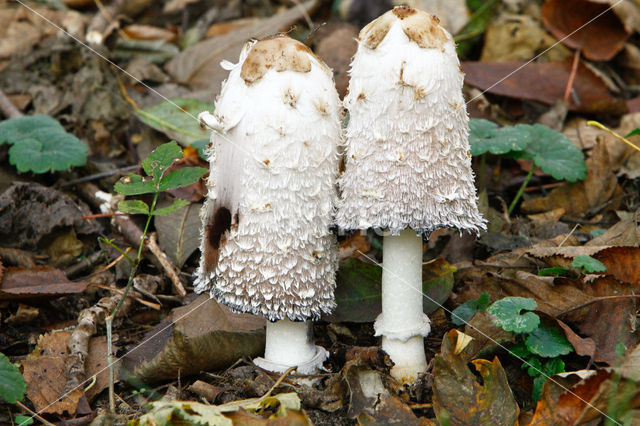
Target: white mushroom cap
point(408, 163)
point(266, 246)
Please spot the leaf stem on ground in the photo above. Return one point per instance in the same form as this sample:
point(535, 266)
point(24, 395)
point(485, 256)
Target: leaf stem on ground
point(521, 191)
point(606, 129)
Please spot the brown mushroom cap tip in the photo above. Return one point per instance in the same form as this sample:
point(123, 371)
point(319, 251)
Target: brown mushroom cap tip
point(278, 52)
point(419, 26)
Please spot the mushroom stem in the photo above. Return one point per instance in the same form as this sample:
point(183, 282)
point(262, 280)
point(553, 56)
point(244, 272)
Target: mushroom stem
point(289, 344)
point(402, 322)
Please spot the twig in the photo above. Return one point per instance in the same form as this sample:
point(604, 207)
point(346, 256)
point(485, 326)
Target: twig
point(100, 176)
point(85, 263)
point(572, 76)
point(101, 21)
point(33, 413)
point(166, 264)
point(569, 234)
point(606, 129)
point(7, 107)
point(599, 299)
point(277, 383)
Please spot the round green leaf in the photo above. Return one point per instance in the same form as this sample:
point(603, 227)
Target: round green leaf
point(554, 153)
point(506, 313)
point(12, 387)
point(484, 136)
point(40, 144)
point(548, 341)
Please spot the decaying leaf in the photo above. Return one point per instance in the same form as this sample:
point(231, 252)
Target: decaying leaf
point(201, 336)
point(20, 283)
point(179, 233)
point(458, 394)
point(285, 408)
point(568, 20)
point(543, 82)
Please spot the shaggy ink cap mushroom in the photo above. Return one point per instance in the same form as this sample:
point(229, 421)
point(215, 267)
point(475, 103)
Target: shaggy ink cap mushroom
point(266, 245)
point(407, 163)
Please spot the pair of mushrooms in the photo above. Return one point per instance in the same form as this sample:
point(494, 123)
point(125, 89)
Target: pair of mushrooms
point(266, 245)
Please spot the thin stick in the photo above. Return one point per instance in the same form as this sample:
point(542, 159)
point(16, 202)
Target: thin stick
point(572, 76)
point(599, 299)
point(34, 414)
point(277, 383)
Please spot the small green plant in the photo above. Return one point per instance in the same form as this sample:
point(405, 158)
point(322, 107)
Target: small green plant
point(156, 182)
point(539, 344)
point(552, 151)
point(13, 387)
point(40, 144)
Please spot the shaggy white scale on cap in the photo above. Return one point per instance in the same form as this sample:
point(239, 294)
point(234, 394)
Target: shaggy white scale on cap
point(408, 163)
point(266, 246)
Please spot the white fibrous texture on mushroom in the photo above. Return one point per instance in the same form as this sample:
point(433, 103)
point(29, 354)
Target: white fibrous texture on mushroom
point(266, 245)
point(407, 161)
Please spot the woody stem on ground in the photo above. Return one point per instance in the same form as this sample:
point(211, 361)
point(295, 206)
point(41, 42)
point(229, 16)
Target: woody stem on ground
point(109, 319)
point(514, 203)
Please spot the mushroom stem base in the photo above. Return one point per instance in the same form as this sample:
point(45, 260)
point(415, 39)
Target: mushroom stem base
point(290, 344)
point(408, 356)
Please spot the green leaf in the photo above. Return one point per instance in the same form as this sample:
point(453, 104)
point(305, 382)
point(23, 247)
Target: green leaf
point(134, 185)
point(165, 211)
point(358, 292)
point(161, 158)
point(182, 177)
point(201, 145)
point(133, 207)
point(23, 420)
point(533, 366)
point(556, 271)
point(549, 368)
point(484, 136)
point(178, 124)
point(554, 153)
point(589, 264)
point(548, 342)
point(41, 144)
point(12, 387)
point(463, 313)
point(597, 232)
point(634, 132)
point(507, 314)
point(520, 350)
point(536, 391)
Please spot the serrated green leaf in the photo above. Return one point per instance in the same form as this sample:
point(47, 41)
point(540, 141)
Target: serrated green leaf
point(133, 207)
point(12, 386)
point(634, 132)
point(554, 153)
point(555, 272)
point(41, 144)
point(589, 264)
point(547, 341)
point(134, 185)
point(165, 211)
point(507, 314)
point(161, 158)
point(485, 136)
point(177, 123)
point(182, 177)
point(463, 313)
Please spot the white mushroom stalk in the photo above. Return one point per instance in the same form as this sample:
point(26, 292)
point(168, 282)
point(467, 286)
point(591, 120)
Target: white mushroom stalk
point(266, 245)
point(408, 165)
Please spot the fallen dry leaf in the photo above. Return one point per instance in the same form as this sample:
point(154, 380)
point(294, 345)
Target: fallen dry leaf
point(336, 44)
point(460, 396)
point(623, 263)
point(543, 82)
point(149, 32)
point(581, 24)
point(201, 336)
point(20, 283)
